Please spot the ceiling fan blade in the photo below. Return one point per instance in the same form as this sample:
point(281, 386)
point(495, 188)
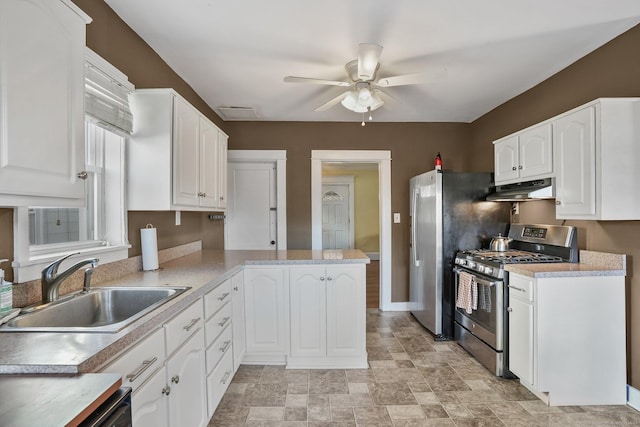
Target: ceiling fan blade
point(412, 79)
point(294, 79)
point(331, 103)
point(368, 60)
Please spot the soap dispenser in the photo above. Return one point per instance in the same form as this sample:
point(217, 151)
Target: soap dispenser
point(6, 293)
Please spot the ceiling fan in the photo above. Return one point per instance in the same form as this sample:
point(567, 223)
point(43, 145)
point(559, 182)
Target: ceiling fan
point(364, 94)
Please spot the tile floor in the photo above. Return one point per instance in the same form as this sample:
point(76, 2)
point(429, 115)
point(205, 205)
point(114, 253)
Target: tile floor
point(412, 381)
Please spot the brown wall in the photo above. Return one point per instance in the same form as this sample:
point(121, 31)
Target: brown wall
point(612, 70)
point(413, 147)
point(116, 42)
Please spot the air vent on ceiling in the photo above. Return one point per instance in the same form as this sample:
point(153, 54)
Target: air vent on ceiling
point(238, 113)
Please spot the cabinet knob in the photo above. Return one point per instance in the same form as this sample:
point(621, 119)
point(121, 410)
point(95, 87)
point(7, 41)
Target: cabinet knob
point(204, 194)
point(558, 202)
point(322, 279)
point(235, 288)
point(513, 168)
point(166, 390)
point(221, 198)
point(509, 309)
point(520, 167)
point(175, 379)
point(329, 278)
point(273, 242)
point(83, 175)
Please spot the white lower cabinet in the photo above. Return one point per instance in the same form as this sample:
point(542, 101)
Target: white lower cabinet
point(327, 306)
point(266, 304)
point(239, 324)
point(567, 338)
point(168, 391)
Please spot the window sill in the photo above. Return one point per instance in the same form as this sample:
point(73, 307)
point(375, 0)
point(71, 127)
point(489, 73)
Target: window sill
point(31, 269)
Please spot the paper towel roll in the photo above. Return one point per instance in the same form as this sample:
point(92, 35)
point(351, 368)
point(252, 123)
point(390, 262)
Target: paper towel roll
point(149, 241)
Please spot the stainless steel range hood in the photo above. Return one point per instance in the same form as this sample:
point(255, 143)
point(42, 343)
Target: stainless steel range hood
point(520, 191)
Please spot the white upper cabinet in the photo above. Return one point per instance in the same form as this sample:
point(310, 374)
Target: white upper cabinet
point(177, 158)
point(42, 46)
point(596, 159)
point(524, 156)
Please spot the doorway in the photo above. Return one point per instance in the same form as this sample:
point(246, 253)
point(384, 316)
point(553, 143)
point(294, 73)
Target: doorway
point(338, 219)
point(383, 161)
point(256, 200)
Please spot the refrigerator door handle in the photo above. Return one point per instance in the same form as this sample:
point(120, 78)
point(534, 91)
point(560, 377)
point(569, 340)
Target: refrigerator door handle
point(414, 245)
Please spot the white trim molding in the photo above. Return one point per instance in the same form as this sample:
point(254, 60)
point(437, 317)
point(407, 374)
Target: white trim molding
point(383, 159)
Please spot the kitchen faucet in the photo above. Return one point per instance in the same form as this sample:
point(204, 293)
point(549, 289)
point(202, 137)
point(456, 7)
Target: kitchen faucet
point(51, 280)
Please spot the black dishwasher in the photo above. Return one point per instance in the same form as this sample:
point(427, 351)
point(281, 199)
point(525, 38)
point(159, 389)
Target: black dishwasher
point(115, 412)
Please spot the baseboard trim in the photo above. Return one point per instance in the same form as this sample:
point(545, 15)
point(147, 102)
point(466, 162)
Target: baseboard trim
point(633, 397)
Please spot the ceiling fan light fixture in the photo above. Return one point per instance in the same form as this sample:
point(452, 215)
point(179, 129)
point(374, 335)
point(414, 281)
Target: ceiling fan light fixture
point(361, 100)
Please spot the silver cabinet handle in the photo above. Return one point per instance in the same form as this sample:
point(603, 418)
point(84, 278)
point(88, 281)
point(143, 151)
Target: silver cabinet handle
point(513, 168)
point(224, 321)
point(191, 324)
point(558, 202)
point(223, 296)
point(322, 279)
point(509, 309)
point(145, 365)
point(175, 379)
point(517, 288)
point(225, 378)
point(225, 346)
point(166, 390)
point(83, 175)
point(329, 278)
point(520, 167)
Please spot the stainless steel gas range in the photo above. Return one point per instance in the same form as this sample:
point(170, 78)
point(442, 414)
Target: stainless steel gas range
point(481, 326)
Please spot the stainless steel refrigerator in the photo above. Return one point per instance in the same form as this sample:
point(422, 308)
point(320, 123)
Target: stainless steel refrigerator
point(448, 213)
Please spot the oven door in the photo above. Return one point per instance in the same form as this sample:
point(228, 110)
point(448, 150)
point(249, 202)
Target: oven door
point(486, 322)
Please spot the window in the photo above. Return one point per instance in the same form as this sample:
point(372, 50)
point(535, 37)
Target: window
point(100, 228)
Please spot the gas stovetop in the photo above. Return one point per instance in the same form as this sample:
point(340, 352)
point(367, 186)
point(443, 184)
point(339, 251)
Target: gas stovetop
point(510, 256)
point(530, 244)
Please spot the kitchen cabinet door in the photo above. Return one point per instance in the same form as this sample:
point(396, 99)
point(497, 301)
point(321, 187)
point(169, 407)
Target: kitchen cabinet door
point(186, 154)
point(346, 312)
point(238, 323)
point(308, 301)
point(209, 164)
point(575, 151)
point(521, 335)
point(506, 159)
point(187, 378)
point(266, 304)
point(42, 120)
point(221, 165)
point(150, 402)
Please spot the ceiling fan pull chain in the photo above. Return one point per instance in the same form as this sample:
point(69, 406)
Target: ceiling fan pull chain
point(363, 119)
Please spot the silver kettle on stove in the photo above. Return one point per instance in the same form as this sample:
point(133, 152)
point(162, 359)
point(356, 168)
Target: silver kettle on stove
point(500, 243)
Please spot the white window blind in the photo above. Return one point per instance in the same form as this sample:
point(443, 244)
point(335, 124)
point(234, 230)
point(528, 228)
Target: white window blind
point(106, 98)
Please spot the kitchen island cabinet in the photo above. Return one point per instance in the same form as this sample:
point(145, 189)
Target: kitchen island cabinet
point(567, 333)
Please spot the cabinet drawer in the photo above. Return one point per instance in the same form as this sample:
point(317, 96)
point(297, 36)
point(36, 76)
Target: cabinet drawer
point(215, 299)
point(219, 348)
point(218, 381)
point(181, 327)
point(137, 364)
point(520, 287)
point(217, 323)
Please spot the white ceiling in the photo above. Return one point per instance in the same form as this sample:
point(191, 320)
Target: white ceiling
point(236, 52)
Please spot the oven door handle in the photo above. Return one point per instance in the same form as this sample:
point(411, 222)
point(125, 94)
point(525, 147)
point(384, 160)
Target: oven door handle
point(479, 280)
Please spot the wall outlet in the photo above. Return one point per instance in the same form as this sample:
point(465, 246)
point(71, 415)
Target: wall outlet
point(396, 218)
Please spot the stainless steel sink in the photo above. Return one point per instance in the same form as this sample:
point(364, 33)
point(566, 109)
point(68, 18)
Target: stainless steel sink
point(99, 310)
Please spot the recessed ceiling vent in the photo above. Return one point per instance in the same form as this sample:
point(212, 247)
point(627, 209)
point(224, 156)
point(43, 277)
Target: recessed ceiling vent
point(238, 113)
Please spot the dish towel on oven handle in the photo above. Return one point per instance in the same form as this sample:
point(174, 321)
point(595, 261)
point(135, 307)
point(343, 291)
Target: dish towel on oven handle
point(484, 298)
point(467, 292)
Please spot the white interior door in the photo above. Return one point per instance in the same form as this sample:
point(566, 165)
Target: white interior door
point(337, 213)
point(251, 209)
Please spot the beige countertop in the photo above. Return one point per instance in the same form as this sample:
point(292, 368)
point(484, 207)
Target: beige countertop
point(591, 264)
point(61, 401)
point(76, 353)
